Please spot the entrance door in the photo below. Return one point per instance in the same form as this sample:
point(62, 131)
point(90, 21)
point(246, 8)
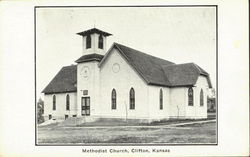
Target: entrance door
point(85, 106)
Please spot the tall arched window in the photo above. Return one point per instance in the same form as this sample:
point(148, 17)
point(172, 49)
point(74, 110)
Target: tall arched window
point(132, 99)
point(88, 41)
point(161, 99)
point(100, 42)
point(201, 98)
point(113, 99)
point(54, 102)
point(67, 102)
point(190, 97)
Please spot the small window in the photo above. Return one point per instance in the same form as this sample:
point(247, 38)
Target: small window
point(201, 98)
point(50, 116)
point(67, 102)
point(100, 42)
point(88, 42)
point(54, 102)
point(74, 115)
point(113, 99)
point(66, 116)
point(190, 97)
point(161, 99)
point(132, 99)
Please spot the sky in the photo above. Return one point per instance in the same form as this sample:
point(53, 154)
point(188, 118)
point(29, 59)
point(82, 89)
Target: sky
point(176, 34)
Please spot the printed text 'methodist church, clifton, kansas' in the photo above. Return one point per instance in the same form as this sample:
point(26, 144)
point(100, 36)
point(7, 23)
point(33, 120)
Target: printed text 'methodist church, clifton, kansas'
point(125, 83)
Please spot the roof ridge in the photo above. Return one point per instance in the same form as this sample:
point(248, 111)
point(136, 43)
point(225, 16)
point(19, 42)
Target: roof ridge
point(83, 33)
point(197, 68)
point(202, 71)
point(69, 66)
point(92, 54)
point(142, 52)
point(164, 66)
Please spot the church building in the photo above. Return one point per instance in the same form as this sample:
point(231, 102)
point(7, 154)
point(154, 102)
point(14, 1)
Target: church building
point(124, 83)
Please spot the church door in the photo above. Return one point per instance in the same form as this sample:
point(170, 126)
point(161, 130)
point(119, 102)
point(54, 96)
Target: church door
point(85, 106)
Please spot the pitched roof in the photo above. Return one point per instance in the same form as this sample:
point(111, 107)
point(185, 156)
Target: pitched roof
point(93, 30)
point(89, 57)
point(149, 67)
point(64, 81)
point(184, 74)
point(157, 71)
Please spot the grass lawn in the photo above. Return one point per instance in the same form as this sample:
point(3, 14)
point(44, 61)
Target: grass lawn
point(195, 133)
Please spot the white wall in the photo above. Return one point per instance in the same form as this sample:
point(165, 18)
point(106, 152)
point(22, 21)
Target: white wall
point(179, 97)
point(198, 111)
point(101, 81)
point(154, 102)
point(178, 102)
point(60, 111)
point(122, 81)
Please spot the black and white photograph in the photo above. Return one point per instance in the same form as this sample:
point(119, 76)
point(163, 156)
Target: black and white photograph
point(124, 78)
point(147, 76)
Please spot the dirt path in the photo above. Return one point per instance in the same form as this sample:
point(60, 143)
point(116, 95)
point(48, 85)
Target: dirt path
point(146, 126)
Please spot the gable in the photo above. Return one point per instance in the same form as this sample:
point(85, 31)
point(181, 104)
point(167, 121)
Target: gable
point(110, 75)
point(147, 66)
point(157, 71)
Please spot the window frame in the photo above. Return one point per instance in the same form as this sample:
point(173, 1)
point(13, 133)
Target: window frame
point(132, 99)
point(100, 42)
point(67, 102)
point(113, 99)
point(201, 98)
point(190, 96)
point(161, 99)
point(88, 41)
point(54, 103)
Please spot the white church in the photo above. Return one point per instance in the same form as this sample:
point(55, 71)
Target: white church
point(124, 83)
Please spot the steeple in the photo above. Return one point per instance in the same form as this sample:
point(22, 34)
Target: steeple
point(94, 41)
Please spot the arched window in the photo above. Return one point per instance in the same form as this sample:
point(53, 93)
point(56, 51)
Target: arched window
point(190, 97)
point(113, 99)
point(132, 99)
point(54, 102)
point(100, 42)
point(88, 41)
point(67, 102)
point(161, 99)
point(201, 98)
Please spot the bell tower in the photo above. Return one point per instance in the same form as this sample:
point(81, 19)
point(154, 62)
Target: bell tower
point(94, 41)
point(88, 72)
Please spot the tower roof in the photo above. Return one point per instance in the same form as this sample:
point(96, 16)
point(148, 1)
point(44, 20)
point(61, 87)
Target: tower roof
point(93, 30)
point(89, 57)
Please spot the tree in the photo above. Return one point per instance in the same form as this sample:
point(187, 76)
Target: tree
point(40, 111)
point(211, 93)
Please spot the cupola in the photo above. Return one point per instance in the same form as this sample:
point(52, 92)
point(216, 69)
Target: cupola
point(94, 41)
